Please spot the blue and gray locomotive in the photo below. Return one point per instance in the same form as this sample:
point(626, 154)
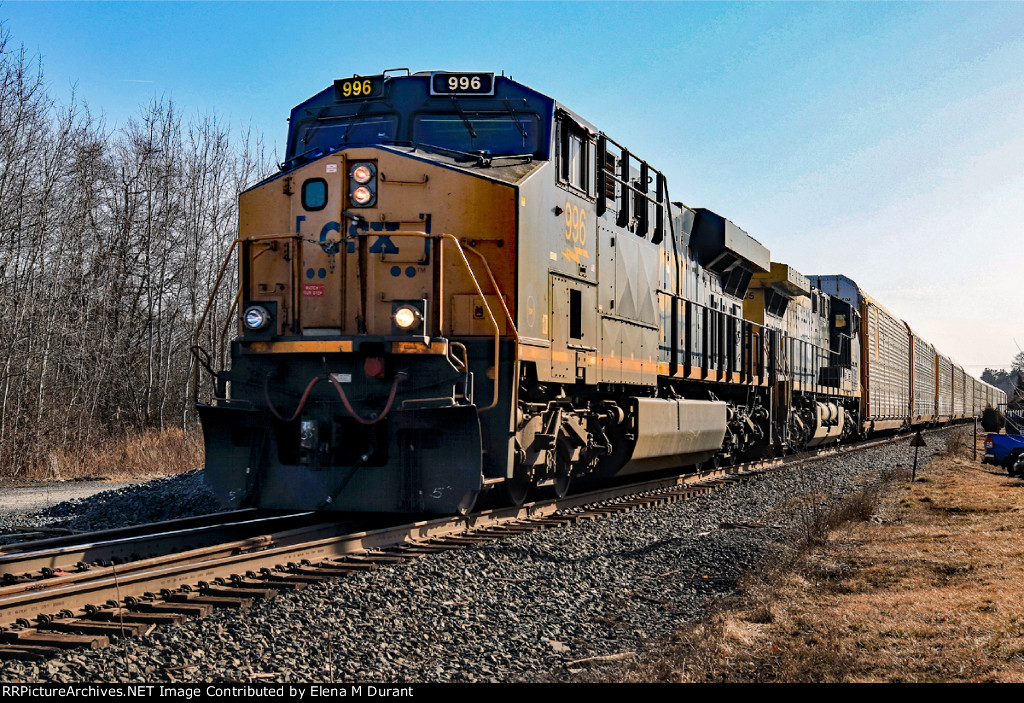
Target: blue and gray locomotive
point(455, 285)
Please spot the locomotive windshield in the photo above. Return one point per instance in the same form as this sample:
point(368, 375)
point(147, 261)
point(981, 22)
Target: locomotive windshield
point(512, 120)
point(490, 134)
point(340, 131)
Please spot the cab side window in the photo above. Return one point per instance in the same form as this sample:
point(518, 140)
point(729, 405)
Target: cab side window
point(575, 157)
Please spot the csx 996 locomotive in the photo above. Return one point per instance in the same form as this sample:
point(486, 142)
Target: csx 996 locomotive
point(456, 285)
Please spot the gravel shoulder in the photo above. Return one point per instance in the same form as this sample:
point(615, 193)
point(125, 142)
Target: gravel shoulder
point(25, 500)
point(82, 506)
point(929, 590)
point(528, 608)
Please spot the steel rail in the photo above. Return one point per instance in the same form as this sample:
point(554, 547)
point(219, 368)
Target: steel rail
point(275, 555)
point(162, 539)
point(130, 531)
point(72, 592)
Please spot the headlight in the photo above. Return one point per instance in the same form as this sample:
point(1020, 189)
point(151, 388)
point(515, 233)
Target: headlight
point(407, 317)
point(362, 195)
point(256, 317)
point(362, 174)
point(362, 184)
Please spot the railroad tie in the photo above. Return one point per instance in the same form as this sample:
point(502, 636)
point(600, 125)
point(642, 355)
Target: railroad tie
point(195, 610)
point(92, 627)
point(217, 601)
point(372, 558)
point(460, 541)
point(60, 640)
point(119, 615)
point(288, 581)
point(250, 594)
point(555, 521)
point(338, 569)
point(27, 652)
point(503, 530)
point(316, 573)
point(417, 550)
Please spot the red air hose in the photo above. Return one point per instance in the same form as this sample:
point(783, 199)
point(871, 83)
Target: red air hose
point(384, 413)
point(341, 393)
point(302, 402)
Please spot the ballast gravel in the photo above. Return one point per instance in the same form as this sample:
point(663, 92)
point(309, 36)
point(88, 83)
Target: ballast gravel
point(168, 498)
point(524, 608)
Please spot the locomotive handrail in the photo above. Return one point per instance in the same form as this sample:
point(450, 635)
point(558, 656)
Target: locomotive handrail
point(196, 348)
point(227, 323)
point(625, 180)
point(223, 268)
point(483, 299)
point(213, 295)
point(497, 289)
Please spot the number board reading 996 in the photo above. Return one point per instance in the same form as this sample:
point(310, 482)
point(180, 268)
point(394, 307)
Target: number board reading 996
point(359, 88)
point(462, 84)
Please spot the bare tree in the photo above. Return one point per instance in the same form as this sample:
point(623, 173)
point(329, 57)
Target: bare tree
point(110, 241)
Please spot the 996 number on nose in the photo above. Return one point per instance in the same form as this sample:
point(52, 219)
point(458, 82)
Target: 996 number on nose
point(462, 84)
point(359, 87)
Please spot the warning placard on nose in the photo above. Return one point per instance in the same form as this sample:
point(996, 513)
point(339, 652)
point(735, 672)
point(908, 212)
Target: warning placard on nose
point(313, 290)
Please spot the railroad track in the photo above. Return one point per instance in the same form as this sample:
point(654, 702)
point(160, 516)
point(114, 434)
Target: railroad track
point(65, 592)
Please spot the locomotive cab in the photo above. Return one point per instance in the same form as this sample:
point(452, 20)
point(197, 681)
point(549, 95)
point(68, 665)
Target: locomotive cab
point(376, 278)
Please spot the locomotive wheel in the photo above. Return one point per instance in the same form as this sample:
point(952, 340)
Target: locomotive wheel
point(518, 487)
point(468, 503)
point(712, 464)
point(560, 472)
point(562, 480)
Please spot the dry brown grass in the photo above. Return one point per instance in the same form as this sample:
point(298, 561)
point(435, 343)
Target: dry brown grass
point(960, 442)
point(931, 589)
point(153, 453)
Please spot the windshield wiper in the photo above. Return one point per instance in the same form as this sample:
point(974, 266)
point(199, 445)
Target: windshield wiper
point(519, 126)
point(356, 118)
point(527, 158)
point(465, 120)
point(482, 158)
point(288, 163)
point(479, 158)
point(320, 120)
point(317, 119)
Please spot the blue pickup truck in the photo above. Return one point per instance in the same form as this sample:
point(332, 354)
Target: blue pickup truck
point(1006, 450)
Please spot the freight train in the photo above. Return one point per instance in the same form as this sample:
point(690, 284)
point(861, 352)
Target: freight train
point(456, 286)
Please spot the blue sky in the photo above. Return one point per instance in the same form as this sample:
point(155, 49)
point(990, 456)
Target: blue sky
point(878, 140)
